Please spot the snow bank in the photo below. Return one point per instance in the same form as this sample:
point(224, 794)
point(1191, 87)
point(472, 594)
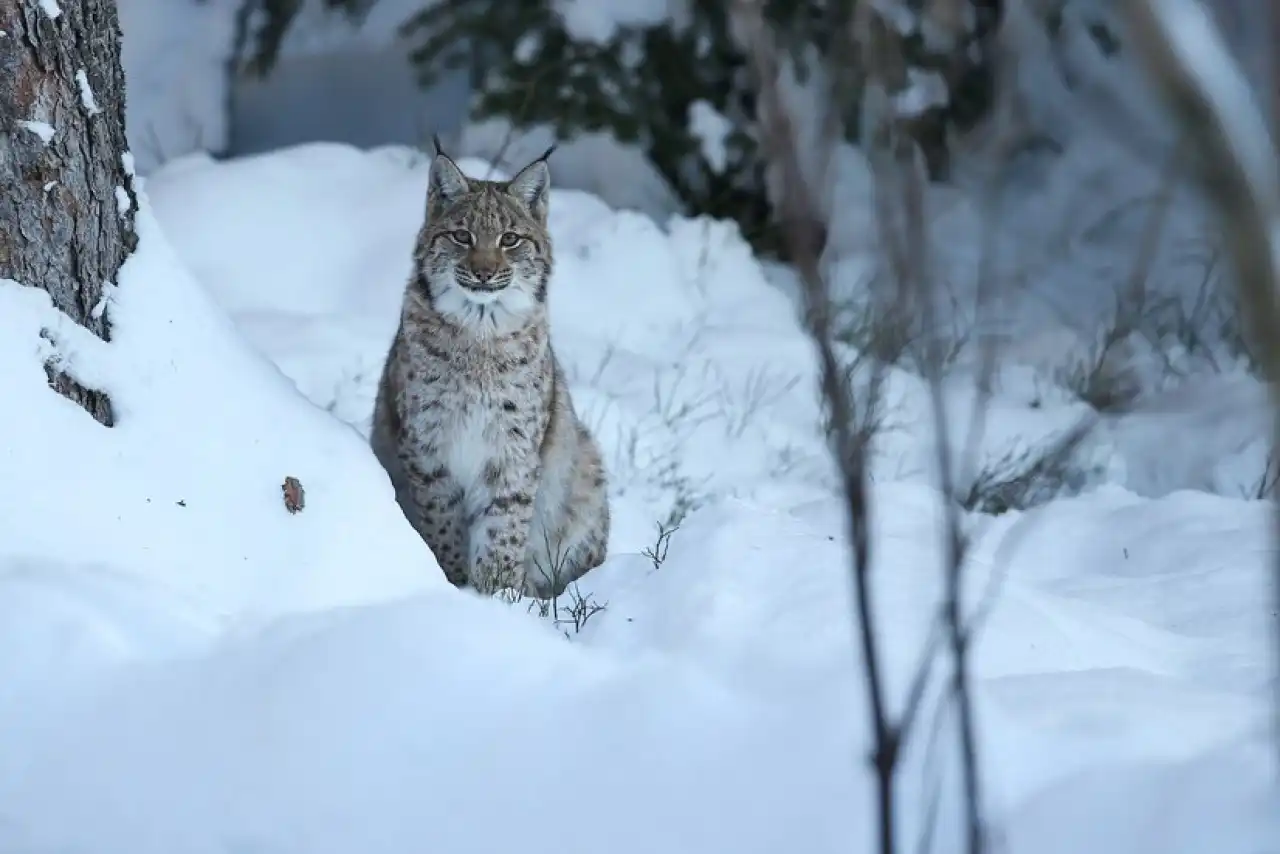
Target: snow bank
point(175, 516)
point(225, 676)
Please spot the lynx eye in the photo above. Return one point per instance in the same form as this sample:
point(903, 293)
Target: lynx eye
point(509, 240)
point(462, 237)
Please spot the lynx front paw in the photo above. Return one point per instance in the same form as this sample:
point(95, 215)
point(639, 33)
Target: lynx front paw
point(497, 574)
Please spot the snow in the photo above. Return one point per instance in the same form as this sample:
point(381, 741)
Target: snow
point(123, 202)
point(175, 55)
point(712, 130)
point(189, 668)
point(50, 8)
point(87, 100)
point(100, 308)
point(597, 21)
point(44, 130)
point(208, 430)
point(924, 91)
point(527, 47)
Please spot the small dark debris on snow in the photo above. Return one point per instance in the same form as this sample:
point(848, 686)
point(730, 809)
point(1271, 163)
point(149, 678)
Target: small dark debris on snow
point(182, 502)
point(294, 497)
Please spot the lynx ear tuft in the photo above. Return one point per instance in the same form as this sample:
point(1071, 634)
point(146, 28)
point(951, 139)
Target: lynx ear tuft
point(446, 181)
point(532, 185)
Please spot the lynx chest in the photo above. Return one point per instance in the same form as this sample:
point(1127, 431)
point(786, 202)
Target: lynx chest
point(476, 416)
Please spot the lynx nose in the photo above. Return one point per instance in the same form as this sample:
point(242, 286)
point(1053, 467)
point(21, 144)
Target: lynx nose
point(484, 266)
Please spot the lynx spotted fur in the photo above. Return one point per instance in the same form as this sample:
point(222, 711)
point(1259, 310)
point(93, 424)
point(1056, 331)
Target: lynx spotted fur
point(473, 421)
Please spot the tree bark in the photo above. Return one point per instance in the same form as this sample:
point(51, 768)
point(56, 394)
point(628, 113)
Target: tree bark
point(66, 196)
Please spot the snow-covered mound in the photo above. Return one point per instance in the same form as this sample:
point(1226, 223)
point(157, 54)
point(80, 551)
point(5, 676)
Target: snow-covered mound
point(220, 675)
point(110, 538)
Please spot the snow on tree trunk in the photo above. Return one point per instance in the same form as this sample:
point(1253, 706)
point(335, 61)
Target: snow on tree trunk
point(66, 198)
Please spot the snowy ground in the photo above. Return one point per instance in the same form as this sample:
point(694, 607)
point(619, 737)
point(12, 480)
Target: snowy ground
point(188, 668)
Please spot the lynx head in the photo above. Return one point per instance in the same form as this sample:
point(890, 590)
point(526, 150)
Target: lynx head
point(484, 254)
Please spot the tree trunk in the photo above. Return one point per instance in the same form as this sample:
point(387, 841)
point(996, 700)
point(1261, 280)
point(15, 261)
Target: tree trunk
point(66, 199)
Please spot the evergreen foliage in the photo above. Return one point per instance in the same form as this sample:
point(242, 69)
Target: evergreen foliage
point(526, 66)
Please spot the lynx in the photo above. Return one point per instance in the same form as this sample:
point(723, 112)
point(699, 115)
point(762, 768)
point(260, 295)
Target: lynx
point(473, 421)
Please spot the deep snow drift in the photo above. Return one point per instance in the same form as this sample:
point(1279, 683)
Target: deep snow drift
point(187, 667)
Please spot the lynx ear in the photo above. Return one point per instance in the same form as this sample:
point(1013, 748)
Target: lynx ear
point(532, 186)
point(446, 181)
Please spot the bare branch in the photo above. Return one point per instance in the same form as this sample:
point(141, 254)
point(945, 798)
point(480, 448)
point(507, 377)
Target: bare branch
point(1234, 161)
point(899, 180)
point(801, 223)
point(905, 185)
point(903, 239)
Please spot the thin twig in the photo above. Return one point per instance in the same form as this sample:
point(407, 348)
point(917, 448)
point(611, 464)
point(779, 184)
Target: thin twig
point(802, 232)
point(899, 174)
